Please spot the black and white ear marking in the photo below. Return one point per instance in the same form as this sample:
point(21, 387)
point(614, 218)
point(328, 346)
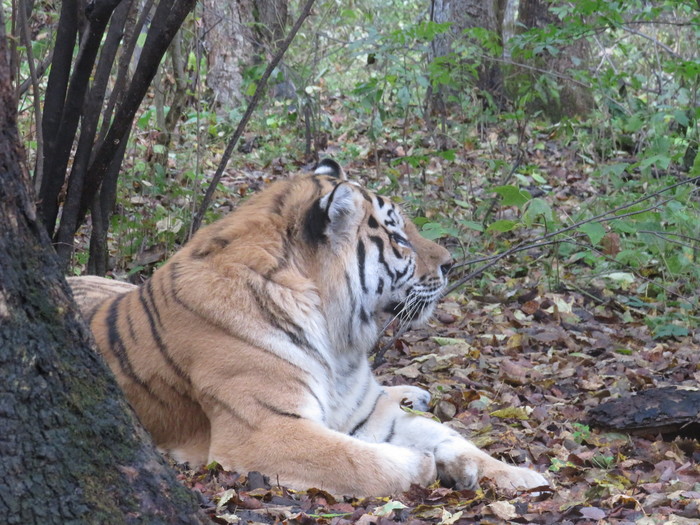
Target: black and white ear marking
point(330, 167)
point(334, 216)
point(342, 209)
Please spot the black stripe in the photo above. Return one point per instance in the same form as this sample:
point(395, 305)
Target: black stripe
point(353, 306)
point(363, 316)
point(230, 410)
point(391, 220)
point(390, 435)
point(367, 196)
point(380, 287)
point(361, 264)
point(225, 329)
point(372, 222)
point(116, 346)
point(380, 246)
point(148, 289)
point(364, 421)
point(278, 203)
point(402, 273)
point(276, 410)
point(317, 184)
point(293, 331)
point(313, 394)
point(155, 333)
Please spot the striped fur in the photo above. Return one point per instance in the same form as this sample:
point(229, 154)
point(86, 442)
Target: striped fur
point(249, 346)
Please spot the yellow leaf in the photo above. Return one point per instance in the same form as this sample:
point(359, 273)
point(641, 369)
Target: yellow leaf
point(512, 413)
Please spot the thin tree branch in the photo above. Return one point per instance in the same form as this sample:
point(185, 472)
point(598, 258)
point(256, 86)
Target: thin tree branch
point(259, 90)
point(167, 20)
point(36, 99)
point(654, 40)
point(603, 217)
point(40, 70)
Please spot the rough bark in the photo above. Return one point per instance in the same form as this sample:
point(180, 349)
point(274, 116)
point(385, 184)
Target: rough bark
point(667, 410)
point(573, 99)
point(229, 45)
point(271, 16)
point(467, 14)
point(235, 33)
point(71, 449)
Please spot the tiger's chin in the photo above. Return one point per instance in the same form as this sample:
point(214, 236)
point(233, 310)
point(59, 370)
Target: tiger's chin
point(411, 315)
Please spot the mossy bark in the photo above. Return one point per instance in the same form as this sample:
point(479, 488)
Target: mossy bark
point(71, 449)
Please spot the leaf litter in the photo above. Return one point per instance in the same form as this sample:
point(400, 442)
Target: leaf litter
point(518, 372)
point(519, 386)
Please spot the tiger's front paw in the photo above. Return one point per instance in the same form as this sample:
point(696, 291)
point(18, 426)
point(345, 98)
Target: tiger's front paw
point(510, 477)
point(464, 470)
point(411, 396)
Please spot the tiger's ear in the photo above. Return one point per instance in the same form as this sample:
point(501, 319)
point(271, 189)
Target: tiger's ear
point(332, 168)
point(334, 215)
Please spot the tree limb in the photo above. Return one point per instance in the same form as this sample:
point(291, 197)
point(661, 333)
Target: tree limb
point(259, 90)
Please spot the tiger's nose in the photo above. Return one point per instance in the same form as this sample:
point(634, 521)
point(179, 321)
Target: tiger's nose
point(446, 267)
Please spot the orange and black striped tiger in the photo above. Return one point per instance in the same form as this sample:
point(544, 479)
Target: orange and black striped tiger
point(249, 347)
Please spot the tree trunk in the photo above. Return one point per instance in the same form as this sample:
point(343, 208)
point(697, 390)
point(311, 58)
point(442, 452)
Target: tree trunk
point(572, 98)
point(228, 42)
point(70, 447)
point(234, 33)
point(468, 14)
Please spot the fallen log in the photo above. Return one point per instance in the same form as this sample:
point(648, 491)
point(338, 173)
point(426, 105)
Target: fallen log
point(669, 411)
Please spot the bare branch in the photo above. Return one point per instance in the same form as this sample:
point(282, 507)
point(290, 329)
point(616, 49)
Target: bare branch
point(36, 99)
point(544, 241)
point(259, 90)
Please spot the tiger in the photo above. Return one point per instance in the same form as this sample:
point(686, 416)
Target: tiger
point(250, 346)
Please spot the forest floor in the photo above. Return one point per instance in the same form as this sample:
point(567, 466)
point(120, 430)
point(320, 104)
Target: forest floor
point(519, 381)
point(517, 369)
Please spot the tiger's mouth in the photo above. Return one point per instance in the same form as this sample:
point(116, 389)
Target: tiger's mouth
point(411, 311)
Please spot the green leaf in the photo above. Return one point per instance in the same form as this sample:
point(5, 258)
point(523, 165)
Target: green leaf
point(511, 413)
point(594, 230)
point(670, 330)
point(420, 413)
point(502, 226)
point(388, 508)
point(536, 208)
point(444, 341)
point(472, 225)
point(512, 195)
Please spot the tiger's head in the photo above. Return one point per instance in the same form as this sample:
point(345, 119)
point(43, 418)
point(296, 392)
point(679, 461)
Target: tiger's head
point(332, 256)
point(387, 266)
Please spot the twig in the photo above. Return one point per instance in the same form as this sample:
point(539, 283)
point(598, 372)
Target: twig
point(27, 43)
point(506, 179)
point(40, 70)
point(259, 90)
point(632, 270)
point(523, 246)
point(603, 217)
point(664, 237)
point(652, 39)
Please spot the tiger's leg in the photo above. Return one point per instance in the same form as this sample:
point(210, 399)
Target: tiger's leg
point(301, 453)
point(459, 462)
